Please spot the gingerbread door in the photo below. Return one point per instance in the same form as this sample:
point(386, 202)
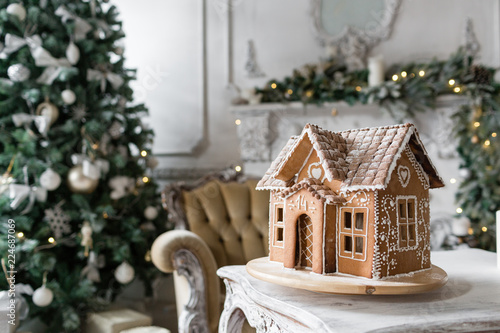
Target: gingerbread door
point(305, 241)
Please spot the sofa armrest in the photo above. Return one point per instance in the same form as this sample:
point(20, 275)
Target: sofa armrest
point(186, 253)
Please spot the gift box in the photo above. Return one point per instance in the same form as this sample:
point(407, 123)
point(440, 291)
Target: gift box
point(115, 321)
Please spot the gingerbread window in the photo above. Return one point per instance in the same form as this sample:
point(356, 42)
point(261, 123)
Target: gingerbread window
point(407, 221)
point(279, 227)
point(352, 233)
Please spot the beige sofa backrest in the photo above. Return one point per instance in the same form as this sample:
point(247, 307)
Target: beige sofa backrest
point(232, 218)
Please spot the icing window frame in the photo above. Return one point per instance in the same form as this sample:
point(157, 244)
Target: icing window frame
point(352, 234)
point(406, 213)
point(279, 226)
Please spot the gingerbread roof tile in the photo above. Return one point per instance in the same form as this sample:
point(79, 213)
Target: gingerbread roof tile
point(361, 158)
point(320, 191)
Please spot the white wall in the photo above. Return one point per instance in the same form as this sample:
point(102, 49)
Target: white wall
point(282, 33)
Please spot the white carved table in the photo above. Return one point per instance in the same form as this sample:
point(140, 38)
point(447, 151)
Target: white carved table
point(469, 302)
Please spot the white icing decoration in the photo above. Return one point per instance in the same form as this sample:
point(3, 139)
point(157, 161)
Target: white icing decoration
point(421, 174)
point(404, 175)
point(315, 171)
point(376, 268)
point(362, 201)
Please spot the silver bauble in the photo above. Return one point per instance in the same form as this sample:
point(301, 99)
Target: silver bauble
point(18, 72)
point(50, 179)
point(68, 96)
point(72, 53)
point(464, 173)
point(43, 296)
point(79, 183)
point(124, 273)
point(18, 10)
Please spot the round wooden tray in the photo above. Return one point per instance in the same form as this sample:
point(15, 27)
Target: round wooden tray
point(274, 272)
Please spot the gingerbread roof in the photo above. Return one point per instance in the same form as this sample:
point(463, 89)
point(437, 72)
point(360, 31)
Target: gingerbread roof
point(360, 158)
point(318, 190)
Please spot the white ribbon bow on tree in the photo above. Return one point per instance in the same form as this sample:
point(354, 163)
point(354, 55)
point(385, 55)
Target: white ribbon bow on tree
point(19, 193)
point(14, 43)
point(54, 66)
point(91, 169)
point(82, 27)
point(42, 122)
point(42, 57)
point(95, 75)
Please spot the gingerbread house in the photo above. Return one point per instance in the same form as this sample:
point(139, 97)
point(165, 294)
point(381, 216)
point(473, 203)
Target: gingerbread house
point(353, 202)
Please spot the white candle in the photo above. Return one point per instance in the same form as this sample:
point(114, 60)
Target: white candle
point(376, 71)
point(498, 239)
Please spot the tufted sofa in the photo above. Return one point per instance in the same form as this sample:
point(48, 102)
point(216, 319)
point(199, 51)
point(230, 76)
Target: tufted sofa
point(220, 220)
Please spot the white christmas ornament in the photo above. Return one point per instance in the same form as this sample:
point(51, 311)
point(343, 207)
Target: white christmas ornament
point(124, 273)
point(50, 179)
point(72, 53)
point(18, 10)
point(464, 173)
point(18, 72)
point(150, 212)
point(58, 220)
point(68, 96)
point(43, 296)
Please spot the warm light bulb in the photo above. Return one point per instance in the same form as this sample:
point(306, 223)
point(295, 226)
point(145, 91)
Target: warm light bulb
point(237, 122)
point(403, 74)
point(487, 142)
point(421, 73)
point(484, 229)
point(453, 180)
point(358, 88)
point(395, 77)
point(459, 210)
point(451, 82)
point(51, 240)
point(289, 91)
point(309, 93)
point(470, 231)
point(493, 135)
point(477, 124)
point(95, 146)
point(237, 168)
point(105, 215)
point(20, 235)
point(145, 179)
point(144, 153)
point(273, 85)
point(457, 89)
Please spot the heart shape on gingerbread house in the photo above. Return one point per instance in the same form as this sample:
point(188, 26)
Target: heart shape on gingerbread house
point(404, 175)
point(315, 171)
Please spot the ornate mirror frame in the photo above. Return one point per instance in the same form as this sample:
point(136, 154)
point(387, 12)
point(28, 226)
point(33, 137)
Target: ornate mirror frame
point(353, 44)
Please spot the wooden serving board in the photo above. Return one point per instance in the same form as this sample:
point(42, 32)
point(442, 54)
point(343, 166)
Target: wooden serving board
point(336, 283)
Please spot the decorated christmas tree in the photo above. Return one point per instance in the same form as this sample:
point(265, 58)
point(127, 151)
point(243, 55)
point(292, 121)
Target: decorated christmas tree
point(78, 209)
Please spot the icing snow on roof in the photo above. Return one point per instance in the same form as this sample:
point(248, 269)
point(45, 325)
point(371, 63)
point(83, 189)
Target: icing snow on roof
point(360, 158)
point(320, 191)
